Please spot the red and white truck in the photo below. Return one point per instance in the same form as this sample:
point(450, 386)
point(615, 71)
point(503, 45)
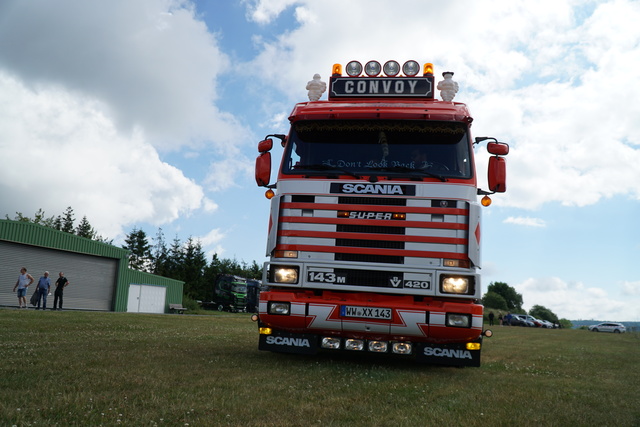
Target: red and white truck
point(374, 230)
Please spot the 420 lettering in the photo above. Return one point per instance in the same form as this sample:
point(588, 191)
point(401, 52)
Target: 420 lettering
point(417, 284)
point(325, 277)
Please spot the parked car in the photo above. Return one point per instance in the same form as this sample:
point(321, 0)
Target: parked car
point(520, 320)
point(616, 328)
point(532, 320)
point(547, 324)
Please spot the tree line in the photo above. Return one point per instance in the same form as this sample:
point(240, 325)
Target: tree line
point(501, 296)
point(184, 261)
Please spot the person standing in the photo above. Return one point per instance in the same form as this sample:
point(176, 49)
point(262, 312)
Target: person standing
point(44, 284)
point(24, 280)
point(61, 283)
point(491, 316)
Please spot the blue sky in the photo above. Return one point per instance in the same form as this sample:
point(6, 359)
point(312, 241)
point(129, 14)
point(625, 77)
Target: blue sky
point(147, 114)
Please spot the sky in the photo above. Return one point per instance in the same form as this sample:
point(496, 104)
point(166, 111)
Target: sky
point(146, 115)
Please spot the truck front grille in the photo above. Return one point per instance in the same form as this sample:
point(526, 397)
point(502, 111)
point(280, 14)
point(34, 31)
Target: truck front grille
point(368, 229)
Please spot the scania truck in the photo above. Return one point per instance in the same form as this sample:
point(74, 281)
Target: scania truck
point(229, 293)
point(374, 229)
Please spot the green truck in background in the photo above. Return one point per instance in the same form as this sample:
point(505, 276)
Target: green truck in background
point(229, 294)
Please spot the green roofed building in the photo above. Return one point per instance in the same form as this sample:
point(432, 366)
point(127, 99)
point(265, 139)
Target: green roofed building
point(98, 273)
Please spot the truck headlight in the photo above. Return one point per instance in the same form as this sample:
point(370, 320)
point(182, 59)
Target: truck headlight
point(279, 308)
point(458, 320)
point(456, 285)
point(284, 274)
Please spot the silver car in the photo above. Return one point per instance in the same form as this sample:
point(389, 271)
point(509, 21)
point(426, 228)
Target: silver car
point(608, 327)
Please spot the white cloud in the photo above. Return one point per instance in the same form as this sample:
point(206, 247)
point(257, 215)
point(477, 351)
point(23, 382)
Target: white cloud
point(526, 221)
point(151, 63)
point(575, 301)
point(631, 288)
point(227, 173)
point(214, 236)
point(92, 92)
point(210, 205)
point(60, 150)
point(265, 11)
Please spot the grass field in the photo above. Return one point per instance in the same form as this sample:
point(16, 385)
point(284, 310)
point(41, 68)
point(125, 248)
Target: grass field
point(84, 368)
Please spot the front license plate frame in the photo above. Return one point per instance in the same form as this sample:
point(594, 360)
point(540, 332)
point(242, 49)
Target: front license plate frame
point(375, 313)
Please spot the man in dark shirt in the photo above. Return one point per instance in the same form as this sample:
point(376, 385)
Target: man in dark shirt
point(61, 283)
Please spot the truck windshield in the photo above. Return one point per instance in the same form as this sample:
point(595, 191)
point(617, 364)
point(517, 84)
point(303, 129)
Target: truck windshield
point(379, 147)
point(240, 289)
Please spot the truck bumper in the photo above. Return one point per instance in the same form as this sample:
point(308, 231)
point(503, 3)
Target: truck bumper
point(450, 354)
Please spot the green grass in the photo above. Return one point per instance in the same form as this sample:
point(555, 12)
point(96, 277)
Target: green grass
point(83, 368)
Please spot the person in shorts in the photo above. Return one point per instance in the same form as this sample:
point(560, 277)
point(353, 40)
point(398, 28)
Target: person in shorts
point(24, 280)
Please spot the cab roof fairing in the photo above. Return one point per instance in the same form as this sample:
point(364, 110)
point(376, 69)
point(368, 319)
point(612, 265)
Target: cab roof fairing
point(433, 110)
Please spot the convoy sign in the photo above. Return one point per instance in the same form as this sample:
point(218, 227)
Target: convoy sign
point(375, 87)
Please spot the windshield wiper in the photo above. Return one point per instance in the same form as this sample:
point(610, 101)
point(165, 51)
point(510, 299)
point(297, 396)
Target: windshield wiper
point(319, 167)
point(412, 172)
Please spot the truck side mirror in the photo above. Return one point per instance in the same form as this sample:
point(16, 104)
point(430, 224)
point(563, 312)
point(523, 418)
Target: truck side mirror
point(497, 174)
point(498, 148)
point(263, 168)
point(266, 145)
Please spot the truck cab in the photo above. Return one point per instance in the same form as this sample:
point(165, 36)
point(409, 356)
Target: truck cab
point(374, 228)
point(230, 293)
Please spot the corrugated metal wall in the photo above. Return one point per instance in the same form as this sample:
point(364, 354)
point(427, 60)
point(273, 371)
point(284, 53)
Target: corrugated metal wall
point(92, 279)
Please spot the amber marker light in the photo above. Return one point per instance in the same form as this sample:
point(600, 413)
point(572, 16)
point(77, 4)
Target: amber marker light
point(486, 201)
point(343, 214)
point(473, 346)
point(336, 70)
point(399, 216)
point(269, 194)
point(285, 254)
point(428, 69)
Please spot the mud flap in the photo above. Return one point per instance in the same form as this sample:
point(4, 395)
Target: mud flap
point(285, 342)
point(447, 354)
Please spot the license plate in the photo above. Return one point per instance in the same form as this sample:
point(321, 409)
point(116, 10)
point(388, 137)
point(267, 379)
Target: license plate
point(365, 312)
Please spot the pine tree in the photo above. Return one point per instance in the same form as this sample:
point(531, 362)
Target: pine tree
point(194, 264)
point(84, 229)
point(68, 220)
point(175, 258)
point(140, 250)
point(160, 255)
point(57, 223)
point(255, 271)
